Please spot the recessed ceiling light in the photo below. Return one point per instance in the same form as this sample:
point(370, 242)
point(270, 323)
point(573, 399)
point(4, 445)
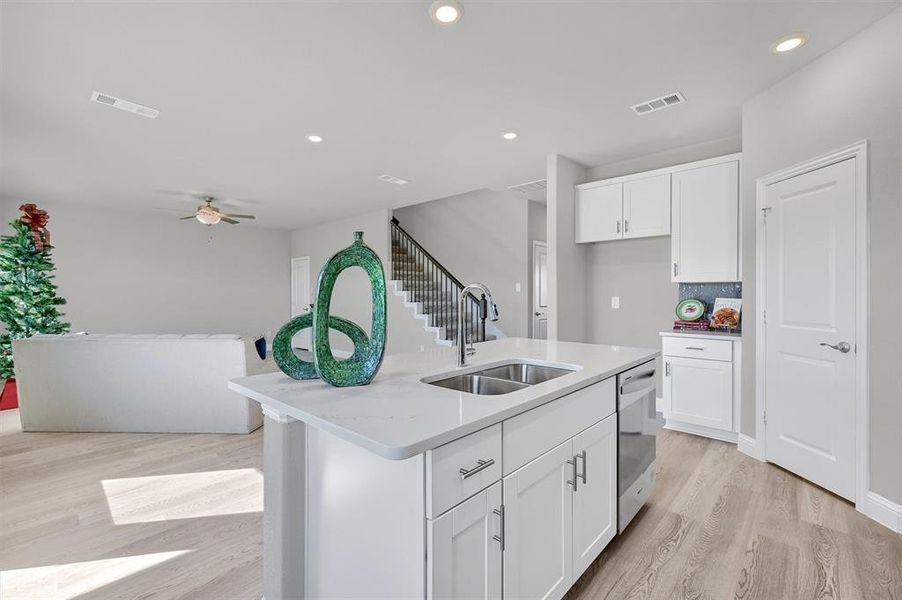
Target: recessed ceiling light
point(446, 12)
point(392, 179)
point(316, 139)
point(789, 42)
point(509, 135)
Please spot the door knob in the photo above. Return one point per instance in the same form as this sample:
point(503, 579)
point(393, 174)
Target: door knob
point(538, 314)
point(843, 347)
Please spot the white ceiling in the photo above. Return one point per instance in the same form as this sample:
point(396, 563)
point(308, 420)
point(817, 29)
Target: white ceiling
point(239, 85)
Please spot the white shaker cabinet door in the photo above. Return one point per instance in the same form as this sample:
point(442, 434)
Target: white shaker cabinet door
point(464, 556)
point(646, 207)
point(595, 498)
point(599, 213)
point(699, 392)
point(538, 506)
point(705, 242)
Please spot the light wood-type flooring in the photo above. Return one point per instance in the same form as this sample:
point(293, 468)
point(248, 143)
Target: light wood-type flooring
point(126, 516)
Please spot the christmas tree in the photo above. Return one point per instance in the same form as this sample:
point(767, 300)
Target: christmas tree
point(28, 300)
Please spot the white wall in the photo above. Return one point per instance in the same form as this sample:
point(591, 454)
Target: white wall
point(566, 259)
point(851, 93)
point(480, 236)
point(351, 298)
point(131, 273)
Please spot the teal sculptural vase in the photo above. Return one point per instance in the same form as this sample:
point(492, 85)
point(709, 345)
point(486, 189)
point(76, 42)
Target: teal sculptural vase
point(363, 364)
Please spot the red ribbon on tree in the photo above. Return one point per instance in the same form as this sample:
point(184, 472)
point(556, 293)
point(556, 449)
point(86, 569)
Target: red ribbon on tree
point(36, 219)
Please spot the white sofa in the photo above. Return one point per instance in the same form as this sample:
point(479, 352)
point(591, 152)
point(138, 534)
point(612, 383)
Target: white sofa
point(136, 383)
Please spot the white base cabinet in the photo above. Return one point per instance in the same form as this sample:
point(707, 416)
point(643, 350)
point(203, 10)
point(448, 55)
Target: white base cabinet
point(516, 510)
point(560, 513)
point(464, 549)
point(702, 384)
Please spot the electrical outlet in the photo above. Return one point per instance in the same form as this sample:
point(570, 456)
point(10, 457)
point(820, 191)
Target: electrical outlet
point(615, 301)
point(517, 287)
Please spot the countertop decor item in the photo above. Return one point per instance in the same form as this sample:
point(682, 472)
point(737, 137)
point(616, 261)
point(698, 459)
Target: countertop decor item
point(691, 309)
point(362, 365)
point(727, 313)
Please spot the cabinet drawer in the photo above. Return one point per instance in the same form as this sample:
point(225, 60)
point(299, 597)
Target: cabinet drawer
point(461, 468)
point(536, 431)
point(698, 348)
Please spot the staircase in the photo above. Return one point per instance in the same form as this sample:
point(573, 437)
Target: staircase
point(432, 291)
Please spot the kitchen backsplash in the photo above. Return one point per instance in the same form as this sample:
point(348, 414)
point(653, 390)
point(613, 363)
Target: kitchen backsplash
point(707, 292)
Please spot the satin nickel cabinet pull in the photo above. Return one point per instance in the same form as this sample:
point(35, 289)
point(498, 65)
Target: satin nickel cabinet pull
point(676, 269)
point(582, 476)
point(481, 465)
point(500, 538)
point(618, 225)
point(626, 225)
point(667, 369)
point(695, 348)
point(573, 482)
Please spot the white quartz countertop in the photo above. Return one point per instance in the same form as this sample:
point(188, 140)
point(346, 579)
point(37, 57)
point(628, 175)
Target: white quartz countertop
point(398, 416)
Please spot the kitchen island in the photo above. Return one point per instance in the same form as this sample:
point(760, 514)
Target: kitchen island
point(407, 489)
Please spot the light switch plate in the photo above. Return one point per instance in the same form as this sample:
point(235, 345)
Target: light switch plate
point(615, 301)
point(517, 287)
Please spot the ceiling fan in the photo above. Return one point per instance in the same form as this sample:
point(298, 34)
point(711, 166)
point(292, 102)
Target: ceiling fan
point(210, 215)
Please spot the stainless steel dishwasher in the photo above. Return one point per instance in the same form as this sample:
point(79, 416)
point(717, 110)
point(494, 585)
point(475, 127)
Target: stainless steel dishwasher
point(638, 424)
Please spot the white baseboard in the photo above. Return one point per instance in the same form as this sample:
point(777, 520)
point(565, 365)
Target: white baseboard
point(886, 512)
point(749, 445)
point(709, 432)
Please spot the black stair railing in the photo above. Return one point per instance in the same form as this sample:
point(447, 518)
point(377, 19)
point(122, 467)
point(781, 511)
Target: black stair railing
point(429, 282)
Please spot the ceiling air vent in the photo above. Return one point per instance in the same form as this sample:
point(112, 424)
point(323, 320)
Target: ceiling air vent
point(658, 103)
point(392, 179)
point(144, 111)
point(530, 186)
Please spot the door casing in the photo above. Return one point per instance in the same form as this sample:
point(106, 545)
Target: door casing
point(859, 151)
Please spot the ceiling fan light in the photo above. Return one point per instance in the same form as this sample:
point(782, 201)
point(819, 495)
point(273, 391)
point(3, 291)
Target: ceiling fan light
point(209, 218)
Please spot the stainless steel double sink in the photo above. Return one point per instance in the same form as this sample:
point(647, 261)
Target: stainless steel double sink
point(501, 379)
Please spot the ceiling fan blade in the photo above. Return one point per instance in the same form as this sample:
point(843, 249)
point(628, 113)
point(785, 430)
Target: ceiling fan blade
point(239, 216)
point(188, 217)
point(229, 221)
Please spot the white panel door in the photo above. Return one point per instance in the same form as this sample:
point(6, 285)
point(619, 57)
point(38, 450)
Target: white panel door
point(646, 207)
point(464, 552)
point(810, 302)
point(599, 213)
point(595, 498)
point(699, 392)
point(538, 507)
point(705, 227)
point(300, 296)
point(540, 290)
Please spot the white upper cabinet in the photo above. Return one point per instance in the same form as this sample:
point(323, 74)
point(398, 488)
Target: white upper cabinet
point(599, 213)
point(646, 207)
point(705, 242)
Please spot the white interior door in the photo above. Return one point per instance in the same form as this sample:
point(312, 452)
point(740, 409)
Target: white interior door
point(540, 290)
point(595, 499)
point(810, 302)
point(300, 296)
point(538, 509)
point(464, 558)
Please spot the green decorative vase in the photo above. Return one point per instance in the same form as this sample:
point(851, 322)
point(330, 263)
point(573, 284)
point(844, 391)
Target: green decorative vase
point(290, 363)
point(362, 366)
